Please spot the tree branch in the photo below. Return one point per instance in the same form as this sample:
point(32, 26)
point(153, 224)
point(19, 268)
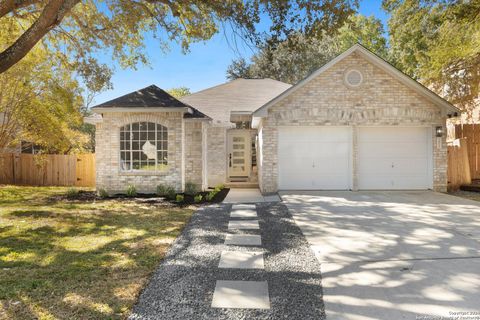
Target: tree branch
point(7, 6)
point(50, 17)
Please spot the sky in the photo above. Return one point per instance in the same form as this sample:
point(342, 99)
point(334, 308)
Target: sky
point(202, 67)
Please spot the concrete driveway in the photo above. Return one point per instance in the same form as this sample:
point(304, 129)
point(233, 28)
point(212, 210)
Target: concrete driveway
point(393, 255)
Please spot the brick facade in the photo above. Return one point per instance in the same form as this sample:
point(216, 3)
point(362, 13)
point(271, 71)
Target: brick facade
point(380, 100)
point(112, 179)
point(193, 152)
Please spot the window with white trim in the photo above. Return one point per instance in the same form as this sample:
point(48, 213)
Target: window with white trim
point(143, 147)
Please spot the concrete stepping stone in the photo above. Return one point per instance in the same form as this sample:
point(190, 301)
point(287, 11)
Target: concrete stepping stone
point(243, 239)
point(243, 213)
point(241, 260)
point(244, 224)
point(241, 294)
point(244, 206)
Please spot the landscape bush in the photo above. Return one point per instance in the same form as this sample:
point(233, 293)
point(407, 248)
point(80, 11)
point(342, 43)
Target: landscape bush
point(102, 193)
point(131, 191)
point(191, 188)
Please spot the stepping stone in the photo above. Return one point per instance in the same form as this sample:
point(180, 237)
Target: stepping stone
point(243, 239)
point(241, 260)
point(243, 213)
point(241, 294)
point(244, 206)
point(243, 224)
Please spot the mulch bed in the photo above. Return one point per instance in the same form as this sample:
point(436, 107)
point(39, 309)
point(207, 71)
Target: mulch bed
point(149, 198)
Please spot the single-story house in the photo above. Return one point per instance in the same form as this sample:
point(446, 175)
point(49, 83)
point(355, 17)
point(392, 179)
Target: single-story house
point(357, 123)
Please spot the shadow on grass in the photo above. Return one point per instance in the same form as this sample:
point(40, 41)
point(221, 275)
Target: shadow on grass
point(81, 263)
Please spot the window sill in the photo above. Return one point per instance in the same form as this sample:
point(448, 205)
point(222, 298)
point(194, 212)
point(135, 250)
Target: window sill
point(143, 173)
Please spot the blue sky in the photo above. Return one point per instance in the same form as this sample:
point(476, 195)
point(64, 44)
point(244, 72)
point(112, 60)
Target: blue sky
point(204, 66)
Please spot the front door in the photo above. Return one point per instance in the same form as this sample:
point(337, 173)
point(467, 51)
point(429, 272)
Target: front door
point(239, 153)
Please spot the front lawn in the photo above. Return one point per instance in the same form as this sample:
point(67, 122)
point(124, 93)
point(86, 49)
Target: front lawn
point(78, 259)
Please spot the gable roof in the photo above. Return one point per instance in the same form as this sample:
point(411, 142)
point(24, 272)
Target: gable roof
point(149, 97)
point(375, 60)
point(245, 95)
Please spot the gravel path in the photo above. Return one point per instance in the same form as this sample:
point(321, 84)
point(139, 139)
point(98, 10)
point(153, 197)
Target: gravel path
point(182, 287)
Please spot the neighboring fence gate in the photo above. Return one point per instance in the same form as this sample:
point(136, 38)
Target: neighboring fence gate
point(48, 170)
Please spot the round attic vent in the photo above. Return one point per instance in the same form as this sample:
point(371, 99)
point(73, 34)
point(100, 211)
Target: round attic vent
point(353, 78)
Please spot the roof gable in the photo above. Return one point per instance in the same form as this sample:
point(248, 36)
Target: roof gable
point(376, 61)
point(151, 97)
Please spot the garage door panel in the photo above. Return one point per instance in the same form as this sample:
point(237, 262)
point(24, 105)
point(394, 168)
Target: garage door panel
point(394, 158)
point(391, 134)
point(391, 150)
point(314, 158)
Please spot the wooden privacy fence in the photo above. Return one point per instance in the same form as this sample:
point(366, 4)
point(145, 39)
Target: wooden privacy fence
point(458, 164)
point(48, 170)
point(472, 134)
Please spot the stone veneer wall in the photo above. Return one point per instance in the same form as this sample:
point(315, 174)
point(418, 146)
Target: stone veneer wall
point(111, 178)
point(216, 155)
point(326, 100)
point(193, 152)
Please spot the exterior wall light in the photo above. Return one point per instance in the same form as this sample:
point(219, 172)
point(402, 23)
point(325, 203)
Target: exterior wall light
point(439, 131)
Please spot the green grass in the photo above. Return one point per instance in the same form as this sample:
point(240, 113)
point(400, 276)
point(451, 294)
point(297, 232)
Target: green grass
point(72, 259)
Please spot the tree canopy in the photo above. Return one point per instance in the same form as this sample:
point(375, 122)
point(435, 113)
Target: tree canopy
point(79, 29)
point(40, 102)
point(179, 92)
point(438, 43)
point(293, 59)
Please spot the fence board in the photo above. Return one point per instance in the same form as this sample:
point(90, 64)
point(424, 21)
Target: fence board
point(7, 175)
point(48, 170)
point(472, 134)
point(458, 164)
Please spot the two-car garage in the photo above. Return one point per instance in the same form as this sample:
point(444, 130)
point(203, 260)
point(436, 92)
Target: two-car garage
point(329, 157)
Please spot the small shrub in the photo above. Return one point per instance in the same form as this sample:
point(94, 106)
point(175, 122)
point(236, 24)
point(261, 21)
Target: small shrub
point(131, 191)
point(166, 191)
point(170, 193)
point(198, 198)
point(191, 188)
point(72, 193)
point(102, 193)
point(211, 195)
point(220, 186)
point(179, 198)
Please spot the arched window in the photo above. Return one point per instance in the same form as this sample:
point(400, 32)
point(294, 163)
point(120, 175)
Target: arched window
point(143, 147)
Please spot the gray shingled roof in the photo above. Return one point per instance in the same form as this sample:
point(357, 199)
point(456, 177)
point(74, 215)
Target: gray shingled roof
point(237, 95)
point(150, 97)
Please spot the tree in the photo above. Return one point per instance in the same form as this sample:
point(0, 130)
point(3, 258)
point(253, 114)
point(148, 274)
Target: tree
point(40, 103)
point(300, 55)
point(438, 43)
point(80, 28)
point(179, 92)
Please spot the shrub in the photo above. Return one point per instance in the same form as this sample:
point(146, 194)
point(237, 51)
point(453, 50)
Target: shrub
point(198, 198)
point(179, 198)
point(102, 193)
point(131, 191)
point(211, 195)
point(191, 188)
point(72, 193)
point(170, 193)
point(220, 186)
point(166, 191)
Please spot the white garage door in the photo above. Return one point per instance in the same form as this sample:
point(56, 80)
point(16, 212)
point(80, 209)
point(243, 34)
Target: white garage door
point(394, 158)
point(314, 158)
